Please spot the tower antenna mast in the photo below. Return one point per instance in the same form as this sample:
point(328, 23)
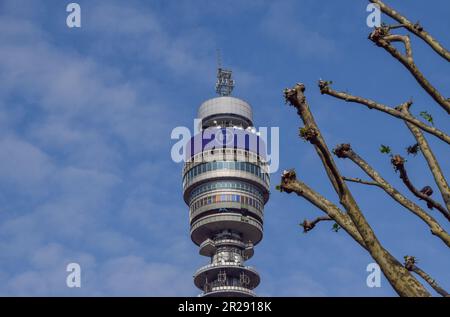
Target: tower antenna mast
point(224, 84)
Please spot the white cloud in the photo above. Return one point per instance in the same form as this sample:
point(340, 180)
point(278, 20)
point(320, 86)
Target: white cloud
point(118, 276)
point(74, 128)
point(133, 275)
point(141, 34)
point(22, 164)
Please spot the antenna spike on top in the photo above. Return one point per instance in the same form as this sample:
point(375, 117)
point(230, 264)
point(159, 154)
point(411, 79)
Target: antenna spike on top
point(219, 59)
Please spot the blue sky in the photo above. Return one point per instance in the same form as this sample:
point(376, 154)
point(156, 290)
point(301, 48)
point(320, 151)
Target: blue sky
point(85, 121)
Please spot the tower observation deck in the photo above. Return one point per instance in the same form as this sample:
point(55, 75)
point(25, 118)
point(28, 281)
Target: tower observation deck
point(226, 185)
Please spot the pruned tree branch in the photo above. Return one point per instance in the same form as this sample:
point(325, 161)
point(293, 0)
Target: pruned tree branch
point(405, 40)
point(410, 265)
point(309, 225)
point(400, 279)
point(433, 163)
point(399, 165)
point(345, 151)
point(310, 132)
point(381, 37)
point(327, 90)
point(414, 28)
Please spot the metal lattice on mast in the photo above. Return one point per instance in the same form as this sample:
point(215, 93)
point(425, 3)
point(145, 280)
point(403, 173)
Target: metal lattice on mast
point(224, 84)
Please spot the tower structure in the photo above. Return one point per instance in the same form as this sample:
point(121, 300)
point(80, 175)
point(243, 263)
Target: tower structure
point(226, 185)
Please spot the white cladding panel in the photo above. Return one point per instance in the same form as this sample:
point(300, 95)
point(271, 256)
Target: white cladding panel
point(221, 105)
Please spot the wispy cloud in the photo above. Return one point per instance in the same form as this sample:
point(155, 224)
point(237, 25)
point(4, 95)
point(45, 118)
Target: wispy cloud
point(75, 130)
point(283, 24)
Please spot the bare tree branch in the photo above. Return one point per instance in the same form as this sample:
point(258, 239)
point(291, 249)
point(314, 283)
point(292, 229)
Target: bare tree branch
point(381, 37)
point(311, 133)
point(399, 165)
point(405, 40)
point(345, 151)
point(415, 28)
point(433, 163)
point(309, 225)
point(327, 90)
point(359, 180)
point(289, 184)
point(410, 265)
point(400, 279)
point(350, 218)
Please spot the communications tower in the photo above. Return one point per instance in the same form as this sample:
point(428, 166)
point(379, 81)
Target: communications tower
point(226, 185)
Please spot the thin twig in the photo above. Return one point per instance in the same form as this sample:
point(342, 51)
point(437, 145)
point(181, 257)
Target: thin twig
point(395, 26)
point(359, 180)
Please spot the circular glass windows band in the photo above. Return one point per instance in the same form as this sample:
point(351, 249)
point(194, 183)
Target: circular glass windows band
point(242, 186)
point(213, 199)
point(230, 165)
